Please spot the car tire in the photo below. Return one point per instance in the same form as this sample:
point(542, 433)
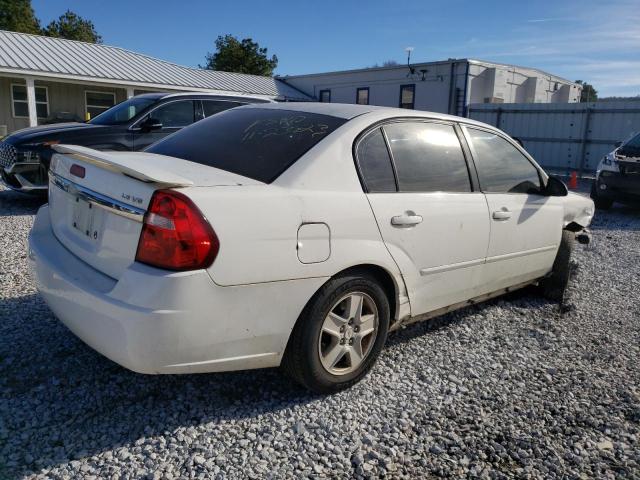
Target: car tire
point(554, 286)
point(600, 202)
point(319, 332)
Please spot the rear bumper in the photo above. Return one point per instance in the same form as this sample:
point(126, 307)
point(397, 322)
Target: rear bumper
point(152, 321)
point(618, 186)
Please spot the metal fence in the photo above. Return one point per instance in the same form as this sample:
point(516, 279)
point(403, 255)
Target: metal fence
point(564, 137)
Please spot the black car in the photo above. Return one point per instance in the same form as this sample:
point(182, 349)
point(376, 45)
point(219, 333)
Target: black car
point(131, 125)
point(618, 176)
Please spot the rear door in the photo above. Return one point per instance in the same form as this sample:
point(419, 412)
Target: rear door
point(526, 225)
point(433, 221)
point(173, 116)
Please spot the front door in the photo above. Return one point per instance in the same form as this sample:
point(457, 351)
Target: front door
point(172, 116)
point(525, 224)
point(432, 222)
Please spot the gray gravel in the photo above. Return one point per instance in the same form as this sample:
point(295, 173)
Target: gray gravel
point(513, 388)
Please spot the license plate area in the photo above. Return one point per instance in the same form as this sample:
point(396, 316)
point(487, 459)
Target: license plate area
point(84, 219)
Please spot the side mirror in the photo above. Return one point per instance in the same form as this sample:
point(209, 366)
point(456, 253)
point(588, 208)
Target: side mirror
point(555, 188)
point(150, 124)
point(618, 144)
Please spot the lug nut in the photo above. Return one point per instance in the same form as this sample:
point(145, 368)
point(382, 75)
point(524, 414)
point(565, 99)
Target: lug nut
point(351, 341)
point(356, 329)
point(342, 341)
point(351, 322)
point(342, 328)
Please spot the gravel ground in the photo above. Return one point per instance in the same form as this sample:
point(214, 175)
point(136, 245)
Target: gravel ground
point(516, 387)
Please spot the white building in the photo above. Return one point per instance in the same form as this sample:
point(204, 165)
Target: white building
point(448, 86)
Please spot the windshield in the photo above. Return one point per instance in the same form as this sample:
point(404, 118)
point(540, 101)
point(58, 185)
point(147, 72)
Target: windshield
point(256, 143)
point(123, 112)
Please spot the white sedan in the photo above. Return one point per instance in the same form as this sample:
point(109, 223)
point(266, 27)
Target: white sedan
point(295, 235)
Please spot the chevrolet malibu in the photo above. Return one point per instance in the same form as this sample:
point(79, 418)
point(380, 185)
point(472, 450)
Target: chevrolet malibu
point(296, 235)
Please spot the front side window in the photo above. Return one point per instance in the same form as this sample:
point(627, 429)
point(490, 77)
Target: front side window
point(502, 168)
point(375, 164)
point(211, 107)
point(407, 96)
point(175, 114)
point(21, 104)
point(325, 96)
point(428, 157)
point(99, 102)
point(362, 96)
point(259, 143)
point(123, 112)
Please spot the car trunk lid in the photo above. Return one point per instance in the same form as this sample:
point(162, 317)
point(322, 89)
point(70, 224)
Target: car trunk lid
point(98, 199)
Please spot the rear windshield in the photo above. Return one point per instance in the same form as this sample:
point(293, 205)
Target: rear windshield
point(256, 143)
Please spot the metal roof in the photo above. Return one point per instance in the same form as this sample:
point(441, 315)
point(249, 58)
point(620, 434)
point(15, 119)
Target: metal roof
point(35, 54)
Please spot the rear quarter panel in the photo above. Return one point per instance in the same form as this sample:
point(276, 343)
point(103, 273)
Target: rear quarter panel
point(257, 225)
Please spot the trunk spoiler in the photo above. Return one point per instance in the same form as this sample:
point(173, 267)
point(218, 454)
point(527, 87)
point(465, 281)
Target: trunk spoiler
point(141, 168)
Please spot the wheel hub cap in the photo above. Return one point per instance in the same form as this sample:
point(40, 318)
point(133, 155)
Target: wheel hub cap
point(348, 333)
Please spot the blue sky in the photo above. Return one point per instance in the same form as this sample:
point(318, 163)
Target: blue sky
point(591, 40)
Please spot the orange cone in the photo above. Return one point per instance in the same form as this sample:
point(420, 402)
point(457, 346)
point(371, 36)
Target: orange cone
point(573, 180)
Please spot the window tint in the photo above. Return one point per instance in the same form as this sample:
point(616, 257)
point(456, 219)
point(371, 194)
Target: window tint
point(259, 143)
point(375, 164)
point(211, 107)
point(428, 157)
point(501, 167)
point(175, 114)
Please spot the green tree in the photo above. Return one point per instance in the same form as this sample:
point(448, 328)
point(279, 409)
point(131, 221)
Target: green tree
point(241, 56)
point(589, 94)
point(18, 16)
point(73, 27)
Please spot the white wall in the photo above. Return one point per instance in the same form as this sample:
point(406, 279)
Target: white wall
point(432, 93)
point(485, 83)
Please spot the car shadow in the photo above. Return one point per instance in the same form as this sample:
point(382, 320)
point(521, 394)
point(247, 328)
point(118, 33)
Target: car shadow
point(15, 203)
point(61, 400)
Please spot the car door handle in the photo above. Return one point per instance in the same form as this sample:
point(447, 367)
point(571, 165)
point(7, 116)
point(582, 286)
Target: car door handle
point(502, 214)
point(408, 219)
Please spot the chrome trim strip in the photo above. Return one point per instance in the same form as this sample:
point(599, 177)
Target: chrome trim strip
point(524, 253)
point(480, 261)
point(452, 266)
point(97, 199)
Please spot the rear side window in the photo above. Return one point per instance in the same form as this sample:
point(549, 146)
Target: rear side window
point(211, 107)
point(428, 157)
point(258, 143)
point(375, 163)
point(501, 167)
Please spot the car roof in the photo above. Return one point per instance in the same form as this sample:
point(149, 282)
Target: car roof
point(349, 111)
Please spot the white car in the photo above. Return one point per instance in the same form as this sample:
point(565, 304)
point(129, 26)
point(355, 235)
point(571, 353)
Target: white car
point(295, 235)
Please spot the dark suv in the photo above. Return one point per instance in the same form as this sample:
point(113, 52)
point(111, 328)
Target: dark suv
point(618, 175)
point(131, 125)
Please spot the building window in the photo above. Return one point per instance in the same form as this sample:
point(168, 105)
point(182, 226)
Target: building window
point(21, 104)
point(98, 102)
point(362, 96)
point(325, 96)
point(407, 96)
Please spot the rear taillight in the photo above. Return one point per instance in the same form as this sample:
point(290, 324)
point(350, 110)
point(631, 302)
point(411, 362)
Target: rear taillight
point(175, 234)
